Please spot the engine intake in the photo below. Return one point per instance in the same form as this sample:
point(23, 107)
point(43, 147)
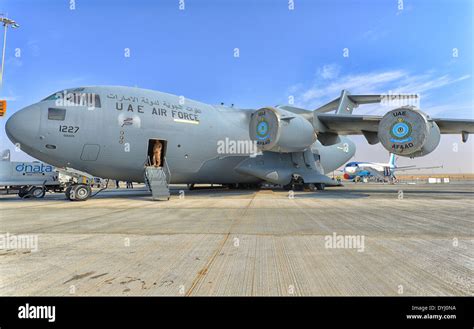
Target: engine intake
point(278, 130)
point(409, 132)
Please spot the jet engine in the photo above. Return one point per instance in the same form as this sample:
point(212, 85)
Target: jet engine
point(278, 130)
point(409, 132)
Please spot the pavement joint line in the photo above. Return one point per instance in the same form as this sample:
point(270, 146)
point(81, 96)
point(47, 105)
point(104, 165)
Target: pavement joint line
point(202, 273)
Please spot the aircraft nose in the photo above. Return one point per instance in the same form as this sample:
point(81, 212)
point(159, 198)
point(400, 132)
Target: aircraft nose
point(23, 126)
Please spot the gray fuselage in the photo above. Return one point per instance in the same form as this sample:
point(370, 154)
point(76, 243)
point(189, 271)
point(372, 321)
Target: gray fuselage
point(110, 138)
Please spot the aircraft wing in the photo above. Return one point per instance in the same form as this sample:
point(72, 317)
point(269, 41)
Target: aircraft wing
point(374, 172)
point(414, 168)
point(455, 126)
point(327, 124)
point(357, 124)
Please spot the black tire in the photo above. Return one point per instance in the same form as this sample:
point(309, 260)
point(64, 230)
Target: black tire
point(23, 192)
point(255, 186)
point(37, 192)
point(80, 192)
point(310, 187)
point(320, 186)
point(288, 187)
point(68, 193)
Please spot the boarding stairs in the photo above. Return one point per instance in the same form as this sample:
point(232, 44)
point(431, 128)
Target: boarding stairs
point(158, 179)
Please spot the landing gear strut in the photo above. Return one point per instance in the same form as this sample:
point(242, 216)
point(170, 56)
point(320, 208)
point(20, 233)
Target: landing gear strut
point(297, 184)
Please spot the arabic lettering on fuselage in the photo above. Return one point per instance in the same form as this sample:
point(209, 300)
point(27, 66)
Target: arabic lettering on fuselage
point(154, 103)
point(146, 100)
point(134, 99)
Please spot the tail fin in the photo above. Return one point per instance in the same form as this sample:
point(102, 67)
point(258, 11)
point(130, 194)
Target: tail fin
point(391, 161)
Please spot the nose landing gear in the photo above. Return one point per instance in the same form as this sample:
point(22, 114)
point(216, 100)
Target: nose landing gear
point(78, 192)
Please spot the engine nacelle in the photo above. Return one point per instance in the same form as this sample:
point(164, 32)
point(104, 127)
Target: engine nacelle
point(409, 132)
point(278, 130)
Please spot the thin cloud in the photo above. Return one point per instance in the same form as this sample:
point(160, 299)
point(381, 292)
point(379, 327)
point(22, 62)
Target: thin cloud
point(329, 71)
point(328, 84)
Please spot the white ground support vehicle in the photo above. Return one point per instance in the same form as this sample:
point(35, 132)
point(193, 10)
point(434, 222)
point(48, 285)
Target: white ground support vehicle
point(34, 179)
point(28, 179)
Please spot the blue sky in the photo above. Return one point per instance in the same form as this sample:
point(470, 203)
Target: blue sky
point(282, 52)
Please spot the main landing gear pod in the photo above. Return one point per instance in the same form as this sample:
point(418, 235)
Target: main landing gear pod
point(409, 132)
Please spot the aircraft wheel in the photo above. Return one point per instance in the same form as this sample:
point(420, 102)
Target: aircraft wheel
point(255, 186)
point(80, 192)
point(297, 183)
point(288, 187)
point(231, 186)
point(320, 186)
point(23, 192)
point(37, 192)
point(310, 187)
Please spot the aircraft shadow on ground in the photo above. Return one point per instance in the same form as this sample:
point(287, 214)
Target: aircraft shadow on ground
point(216, 192)
point(409, 191)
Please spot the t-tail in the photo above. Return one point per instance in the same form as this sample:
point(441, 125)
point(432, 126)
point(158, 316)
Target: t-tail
point(391, 162)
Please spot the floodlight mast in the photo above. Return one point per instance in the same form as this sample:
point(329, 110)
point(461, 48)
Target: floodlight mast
point(6, 22)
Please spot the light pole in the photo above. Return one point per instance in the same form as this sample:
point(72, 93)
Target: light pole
point(6, 22)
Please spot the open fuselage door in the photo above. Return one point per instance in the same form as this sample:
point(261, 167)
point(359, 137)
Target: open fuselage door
point(157, 174)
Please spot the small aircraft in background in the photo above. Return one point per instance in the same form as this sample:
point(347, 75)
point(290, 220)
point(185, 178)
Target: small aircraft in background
point(356, 170)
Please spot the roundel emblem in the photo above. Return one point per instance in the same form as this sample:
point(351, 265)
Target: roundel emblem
point(262, 129)
point(400, 129)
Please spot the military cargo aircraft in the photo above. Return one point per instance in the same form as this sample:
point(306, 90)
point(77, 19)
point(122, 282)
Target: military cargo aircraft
point(112, 132)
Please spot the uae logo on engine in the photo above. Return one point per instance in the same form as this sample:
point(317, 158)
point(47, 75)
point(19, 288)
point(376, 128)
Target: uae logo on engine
point(262, 129)
point(401, 131)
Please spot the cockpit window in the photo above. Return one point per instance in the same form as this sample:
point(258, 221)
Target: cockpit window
point(73, 97)
point(56, 114)
point(83, 99)
point(52, 97)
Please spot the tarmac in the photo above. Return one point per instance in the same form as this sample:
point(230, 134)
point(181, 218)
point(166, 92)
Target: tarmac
point(356, 240)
